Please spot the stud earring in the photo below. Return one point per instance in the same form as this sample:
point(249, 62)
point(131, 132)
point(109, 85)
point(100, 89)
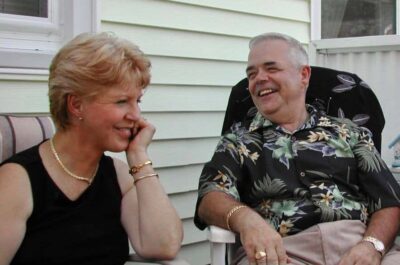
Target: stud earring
point(80, 118)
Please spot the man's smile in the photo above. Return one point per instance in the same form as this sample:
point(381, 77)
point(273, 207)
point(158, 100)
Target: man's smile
point(267, 91)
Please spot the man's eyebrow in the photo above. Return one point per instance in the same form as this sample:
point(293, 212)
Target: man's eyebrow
point(267, 63)
point(248, 68)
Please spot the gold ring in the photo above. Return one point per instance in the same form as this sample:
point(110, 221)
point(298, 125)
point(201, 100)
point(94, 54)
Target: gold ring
point(260, 255)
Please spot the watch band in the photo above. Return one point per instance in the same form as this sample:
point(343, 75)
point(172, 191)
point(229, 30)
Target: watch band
point(378, 245)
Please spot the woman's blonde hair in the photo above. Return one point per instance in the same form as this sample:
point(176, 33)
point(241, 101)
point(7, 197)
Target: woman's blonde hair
point(91, 63)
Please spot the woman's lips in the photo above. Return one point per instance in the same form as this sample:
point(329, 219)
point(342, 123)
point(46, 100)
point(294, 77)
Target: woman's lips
point(125, 132)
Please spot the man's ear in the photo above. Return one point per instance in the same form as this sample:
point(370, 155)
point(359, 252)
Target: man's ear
point(305, 75)
point(75, 106)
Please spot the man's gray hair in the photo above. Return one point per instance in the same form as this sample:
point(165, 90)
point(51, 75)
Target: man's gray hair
point(297, 51)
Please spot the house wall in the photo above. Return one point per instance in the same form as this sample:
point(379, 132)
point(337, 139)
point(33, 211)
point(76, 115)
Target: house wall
point(198, 51)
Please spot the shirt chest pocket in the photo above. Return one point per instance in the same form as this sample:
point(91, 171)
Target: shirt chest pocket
point(340, 170)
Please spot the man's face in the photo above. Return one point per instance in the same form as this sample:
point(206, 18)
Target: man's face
point(276, 85)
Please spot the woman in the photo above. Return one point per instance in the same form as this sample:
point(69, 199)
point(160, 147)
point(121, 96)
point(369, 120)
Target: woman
point(65, 202)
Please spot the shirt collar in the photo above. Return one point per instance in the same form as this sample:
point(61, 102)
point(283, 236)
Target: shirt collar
point(316, 118)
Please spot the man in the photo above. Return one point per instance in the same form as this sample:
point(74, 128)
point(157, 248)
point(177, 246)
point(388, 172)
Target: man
point(298, 186)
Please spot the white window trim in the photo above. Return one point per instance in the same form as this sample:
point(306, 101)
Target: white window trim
point(28, 44)
point(361, 44)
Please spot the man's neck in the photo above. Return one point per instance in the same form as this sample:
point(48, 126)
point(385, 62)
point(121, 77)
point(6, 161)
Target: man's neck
point(293, 122)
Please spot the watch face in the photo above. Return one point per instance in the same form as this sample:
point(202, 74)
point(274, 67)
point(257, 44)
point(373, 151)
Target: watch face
point(379, 245)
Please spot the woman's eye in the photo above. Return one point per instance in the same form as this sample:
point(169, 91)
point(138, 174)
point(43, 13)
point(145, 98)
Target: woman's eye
point(121, 101)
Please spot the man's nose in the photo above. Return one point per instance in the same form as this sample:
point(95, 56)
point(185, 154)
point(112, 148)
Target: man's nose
point(259, 79)
point(261, 76)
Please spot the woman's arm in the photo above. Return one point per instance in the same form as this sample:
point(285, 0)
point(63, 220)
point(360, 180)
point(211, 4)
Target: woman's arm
point(148, 216)
point(152, 223)
point(16, 206)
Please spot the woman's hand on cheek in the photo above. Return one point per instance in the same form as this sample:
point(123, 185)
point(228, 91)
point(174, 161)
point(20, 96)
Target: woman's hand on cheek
point(142, 135)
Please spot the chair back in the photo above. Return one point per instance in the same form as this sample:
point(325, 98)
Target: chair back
point(18, 133)
point(337, 93)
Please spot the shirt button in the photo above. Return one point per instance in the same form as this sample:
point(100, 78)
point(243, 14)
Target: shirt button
point(302, 174)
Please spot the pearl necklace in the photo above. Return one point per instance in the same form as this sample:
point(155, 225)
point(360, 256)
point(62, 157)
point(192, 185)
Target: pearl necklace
point(88, 180)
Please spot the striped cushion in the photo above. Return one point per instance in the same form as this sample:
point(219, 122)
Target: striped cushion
point(18, 133)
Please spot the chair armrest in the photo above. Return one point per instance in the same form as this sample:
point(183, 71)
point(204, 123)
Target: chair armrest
point(216, 234)
point(176, 261)
point(218, 238)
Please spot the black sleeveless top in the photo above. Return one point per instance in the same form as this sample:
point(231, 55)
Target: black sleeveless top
point(81, 232)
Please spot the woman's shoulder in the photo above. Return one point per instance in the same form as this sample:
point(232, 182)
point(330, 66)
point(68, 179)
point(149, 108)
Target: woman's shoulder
point(15, 190)
point(117, 163)
point(25, 157)
point(121, 167)
point(125, 180)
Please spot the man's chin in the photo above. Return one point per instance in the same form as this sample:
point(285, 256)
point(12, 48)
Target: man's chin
point(268, 113)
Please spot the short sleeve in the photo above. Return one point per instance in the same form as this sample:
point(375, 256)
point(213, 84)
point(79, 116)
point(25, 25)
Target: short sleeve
point(376, 180)
point(220, 174)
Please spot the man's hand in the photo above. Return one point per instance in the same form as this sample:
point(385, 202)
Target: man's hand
point(384, 225)
point(361, 254)
point(256, 235)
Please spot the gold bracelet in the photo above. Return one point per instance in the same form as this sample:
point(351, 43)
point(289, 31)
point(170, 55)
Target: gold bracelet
point(231, 212)
point(145, 176)
point(135, 169)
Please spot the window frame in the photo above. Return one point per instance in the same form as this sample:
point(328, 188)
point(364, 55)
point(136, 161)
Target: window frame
point(366, 43)
point(27, 44)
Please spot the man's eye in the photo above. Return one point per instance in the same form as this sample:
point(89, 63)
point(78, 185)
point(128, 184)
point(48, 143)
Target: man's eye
point(250, 75)
point(122, 101)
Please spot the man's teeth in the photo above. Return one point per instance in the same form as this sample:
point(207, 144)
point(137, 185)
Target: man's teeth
point(264, 92)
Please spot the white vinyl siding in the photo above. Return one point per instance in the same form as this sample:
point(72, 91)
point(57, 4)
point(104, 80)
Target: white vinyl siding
point(198, 51)
point(23, 93)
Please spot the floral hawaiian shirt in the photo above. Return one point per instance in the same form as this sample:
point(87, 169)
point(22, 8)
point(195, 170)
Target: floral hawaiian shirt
point(327, 170)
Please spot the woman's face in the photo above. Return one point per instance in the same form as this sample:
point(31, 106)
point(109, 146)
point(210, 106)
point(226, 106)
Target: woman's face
point(110, 116)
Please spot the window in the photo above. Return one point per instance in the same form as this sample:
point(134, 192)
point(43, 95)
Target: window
point(31, 31)
point(34, 8)
point(347, 26)
point(356, 18)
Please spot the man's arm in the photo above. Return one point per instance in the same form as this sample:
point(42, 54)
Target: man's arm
point(214, 207)
point(378, 183)
point(383, 225)
point(255, 234)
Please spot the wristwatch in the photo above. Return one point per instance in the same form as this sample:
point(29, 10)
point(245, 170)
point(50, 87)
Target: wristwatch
point(378, 245)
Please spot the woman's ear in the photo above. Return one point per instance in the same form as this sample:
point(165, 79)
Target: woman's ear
point(75, 106)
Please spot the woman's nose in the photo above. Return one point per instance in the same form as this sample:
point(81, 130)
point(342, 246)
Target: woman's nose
point(134, 112)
